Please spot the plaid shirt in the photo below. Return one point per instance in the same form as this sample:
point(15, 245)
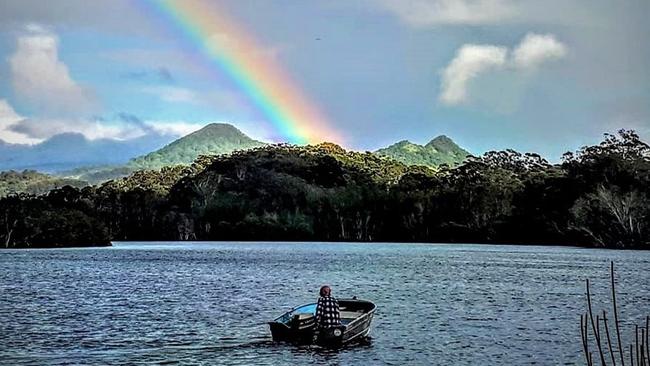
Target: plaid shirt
point(327, 312)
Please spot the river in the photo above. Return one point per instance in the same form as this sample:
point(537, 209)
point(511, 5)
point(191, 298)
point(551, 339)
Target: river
point(184, 303)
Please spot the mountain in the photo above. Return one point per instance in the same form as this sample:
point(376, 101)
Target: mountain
point(213, 139)
point(440, 150)
point(71, 150)
point(71, 155)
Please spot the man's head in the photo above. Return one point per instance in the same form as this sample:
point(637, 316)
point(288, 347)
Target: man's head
point(325, 291)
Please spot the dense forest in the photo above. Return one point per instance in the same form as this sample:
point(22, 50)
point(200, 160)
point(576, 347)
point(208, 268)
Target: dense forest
point(33, 182)
point(598, 196)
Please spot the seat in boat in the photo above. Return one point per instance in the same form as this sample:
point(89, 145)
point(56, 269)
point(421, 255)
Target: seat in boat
point(348, 317)
point(350, 314)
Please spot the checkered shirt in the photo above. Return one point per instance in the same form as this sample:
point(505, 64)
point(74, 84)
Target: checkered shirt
point(327, 312)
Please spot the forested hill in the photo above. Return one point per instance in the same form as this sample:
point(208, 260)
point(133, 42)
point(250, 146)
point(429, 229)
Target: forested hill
point(213, 139)
point(221, 138)
point(33, 182)
point(597, 197)
point(440, 150)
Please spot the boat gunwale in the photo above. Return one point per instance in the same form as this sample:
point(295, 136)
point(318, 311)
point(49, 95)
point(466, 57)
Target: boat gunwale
point(352, 324)
point(276, 320)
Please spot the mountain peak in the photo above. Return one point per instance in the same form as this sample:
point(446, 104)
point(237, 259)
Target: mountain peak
point(217, 129)
point(220, 126)
point(444, 144)
point(212, 139)
point(441, 139)
point(440, 150)
point(403, 143)
point(66, 140)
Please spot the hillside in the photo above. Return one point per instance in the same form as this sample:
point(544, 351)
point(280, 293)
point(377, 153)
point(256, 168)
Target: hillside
point(32, 182)
point(213, 139)
point(440, 150)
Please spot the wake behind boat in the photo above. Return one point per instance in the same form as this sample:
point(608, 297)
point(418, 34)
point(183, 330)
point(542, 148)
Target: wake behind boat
point(299, 324)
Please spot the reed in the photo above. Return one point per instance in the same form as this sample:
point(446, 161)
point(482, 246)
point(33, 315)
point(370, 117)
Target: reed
point(639, 351)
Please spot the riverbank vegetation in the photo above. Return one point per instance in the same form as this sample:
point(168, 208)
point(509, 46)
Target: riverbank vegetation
point(598, 196)
point(601, 339)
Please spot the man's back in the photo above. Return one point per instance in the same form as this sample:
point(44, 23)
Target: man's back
point(327, 312)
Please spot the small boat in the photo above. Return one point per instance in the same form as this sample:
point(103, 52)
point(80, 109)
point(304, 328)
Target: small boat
point(298, 325)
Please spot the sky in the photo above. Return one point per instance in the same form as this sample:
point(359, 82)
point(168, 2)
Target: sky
point(543, 76)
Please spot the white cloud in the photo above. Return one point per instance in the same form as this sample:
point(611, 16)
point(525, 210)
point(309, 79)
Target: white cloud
point(173, 94)
point(42, 79)
point(44, 128)
point(432, 13)
point(536, 49)
point(223, 101)
point(8, 118)
point(422, 13)
point(179, 128)
point(470, 61)
point(35, 130)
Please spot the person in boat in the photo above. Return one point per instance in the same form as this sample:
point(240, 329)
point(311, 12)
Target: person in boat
point(327, 309)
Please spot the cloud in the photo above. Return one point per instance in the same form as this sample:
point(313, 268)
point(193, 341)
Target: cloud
point(422, 13)
point(160, 74)
point(433, 13)
point(223, 101)
point(536, 49)
point(122, 127)
point(470, 61)
point(473, 60)
point(9, 118)
point(176, 128)
point(96, 15)
point(173, 94)
point(42, 79)
point(44, 128)
point(164, 128)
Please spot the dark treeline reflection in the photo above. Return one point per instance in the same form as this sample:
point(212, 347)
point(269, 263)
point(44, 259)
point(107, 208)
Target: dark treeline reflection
point(597, 197)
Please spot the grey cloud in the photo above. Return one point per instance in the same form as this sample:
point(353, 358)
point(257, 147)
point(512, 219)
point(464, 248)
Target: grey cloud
point(161, 74)
point(134, 121)
point(114, 16)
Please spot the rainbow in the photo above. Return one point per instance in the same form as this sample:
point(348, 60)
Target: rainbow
point(229, 49)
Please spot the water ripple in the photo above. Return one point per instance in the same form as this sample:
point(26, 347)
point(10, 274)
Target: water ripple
point(208, 303)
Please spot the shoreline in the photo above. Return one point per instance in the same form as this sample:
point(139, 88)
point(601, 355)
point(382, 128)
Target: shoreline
point(112, 244)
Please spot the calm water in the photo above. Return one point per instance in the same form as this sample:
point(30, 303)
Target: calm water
point(208, 303)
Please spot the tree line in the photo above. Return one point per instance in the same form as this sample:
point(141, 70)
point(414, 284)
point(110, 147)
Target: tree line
point(597, 197)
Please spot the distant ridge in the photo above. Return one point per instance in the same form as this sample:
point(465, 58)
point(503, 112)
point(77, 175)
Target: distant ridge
point(213, 139)
point(70, 150)
point(440, 150)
